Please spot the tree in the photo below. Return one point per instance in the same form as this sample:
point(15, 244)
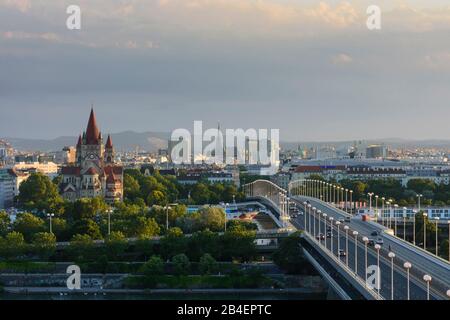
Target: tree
point(289, 256)
point(28, 225)
point(39, 192)
point(156, 197)
point(116, 244)
point(81, 247)
point(147, 228)
point(13, 245)
point(153, 267)
point(44, 243)
point(212, 218)
point(131, 187)
point(173, 243)
point(208, 264)
point(87, 208)
point(86, 227)
point(5, 223)
point(181, 264)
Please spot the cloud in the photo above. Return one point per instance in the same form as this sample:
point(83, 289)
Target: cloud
point(21, 5)
point(341, 59)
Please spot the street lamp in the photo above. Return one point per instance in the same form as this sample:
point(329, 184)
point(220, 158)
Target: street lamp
point(351, 202)
point(346, 244)
point(309, 218)
point(339, 241)
point(314, 222)
point(414, 227)
point(331, 232)
point(376, 207)
point(427, 278)
point(366, 240)
point(404, 222)
point(304, 215)
point(50, 216)
point(425, 215)
point(395, 218)
point(109, 212)
point(355, 233)
point(448, 222)
point(325, 220)
point(383, 200)
point(407, 266)
point(378, 247)
point(392, 256)
point(346, 200)
point(370, 194)
point(437, 229)
point(319, 213)
point(418, 199)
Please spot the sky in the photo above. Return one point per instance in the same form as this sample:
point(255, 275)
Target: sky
point(309, 68)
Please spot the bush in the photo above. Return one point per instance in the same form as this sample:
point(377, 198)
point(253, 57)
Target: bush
point(181, 264)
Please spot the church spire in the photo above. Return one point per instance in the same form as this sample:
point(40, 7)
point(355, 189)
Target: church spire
point(109, 144)
point(92, 132)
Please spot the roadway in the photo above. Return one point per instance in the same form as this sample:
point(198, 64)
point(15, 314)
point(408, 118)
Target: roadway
point(438, 270)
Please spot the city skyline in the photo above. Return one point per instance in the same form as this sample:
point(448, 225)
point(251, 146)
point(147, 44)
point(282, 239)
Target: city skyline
point(267, 64)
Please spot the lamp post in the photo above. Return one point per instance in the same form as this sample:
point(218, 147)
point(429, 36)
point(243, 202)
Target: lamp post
point(383, 200)
point(427, 278)
point(109, 212)
point(319, 214)
point(331, 233)
point(378, 247)
point(325, 220)
point(338, 223)
point(389, 223)
point(366, 240)
point(314, 222)
point(395, 219)
point(392, 256)
point(346, 244)
point(50, 216)
point(309, 218)
point(418, 200)
point(448, 223)
point(355, 233)
point(437, 230)
point(351, 202)
point(304, 215)
point(425, 230)
point(407, 266)
point(414, 227)
point(376, 207)
point(370, 194)
point(404, 222)
point(346, 200)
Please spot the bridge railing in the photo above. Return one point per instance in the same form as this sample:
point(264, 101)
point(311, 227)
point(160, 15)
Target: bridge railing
point(272, 192)
point(342, 199)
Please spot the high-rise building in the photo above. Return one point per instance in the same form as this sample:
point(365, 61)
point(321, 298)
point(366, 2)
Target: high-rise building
point(95, 172)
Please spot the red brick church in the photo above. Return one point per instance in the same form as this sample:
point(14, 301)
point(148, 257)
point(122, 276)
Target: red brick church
point(95, 172)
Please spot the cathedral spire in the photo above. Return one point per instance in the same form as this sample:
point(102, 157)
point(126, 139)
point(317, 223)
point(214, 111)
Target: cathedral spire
point(109, 144)
point(92, 132)
point(79, 141)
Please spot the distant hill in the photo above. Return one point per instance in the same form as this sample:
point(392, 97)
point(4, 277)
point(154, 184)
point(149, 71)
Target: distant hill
point(123, 141)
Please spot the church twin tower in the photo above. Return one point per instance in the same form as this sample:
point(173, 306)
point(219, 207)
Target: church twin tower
point(95, 173)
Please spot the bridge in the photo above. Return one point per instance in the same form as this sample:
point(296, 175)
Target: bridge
point(360, 256)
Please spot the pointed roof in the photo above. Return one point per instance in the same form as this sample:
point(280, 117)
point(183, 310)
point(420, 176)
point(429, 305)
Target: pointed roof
point(109, 144)
point(92, 132)
point(79, 141)
point(111, 178)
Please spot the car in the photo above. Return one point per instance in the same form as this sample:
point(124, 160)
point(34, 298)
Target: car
point(342, 253)
point(347, 219)
point(342, 220)
point(328, 234)
point(374, 233)
point(320, 236)
point(379, 241)
point(371, 242)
